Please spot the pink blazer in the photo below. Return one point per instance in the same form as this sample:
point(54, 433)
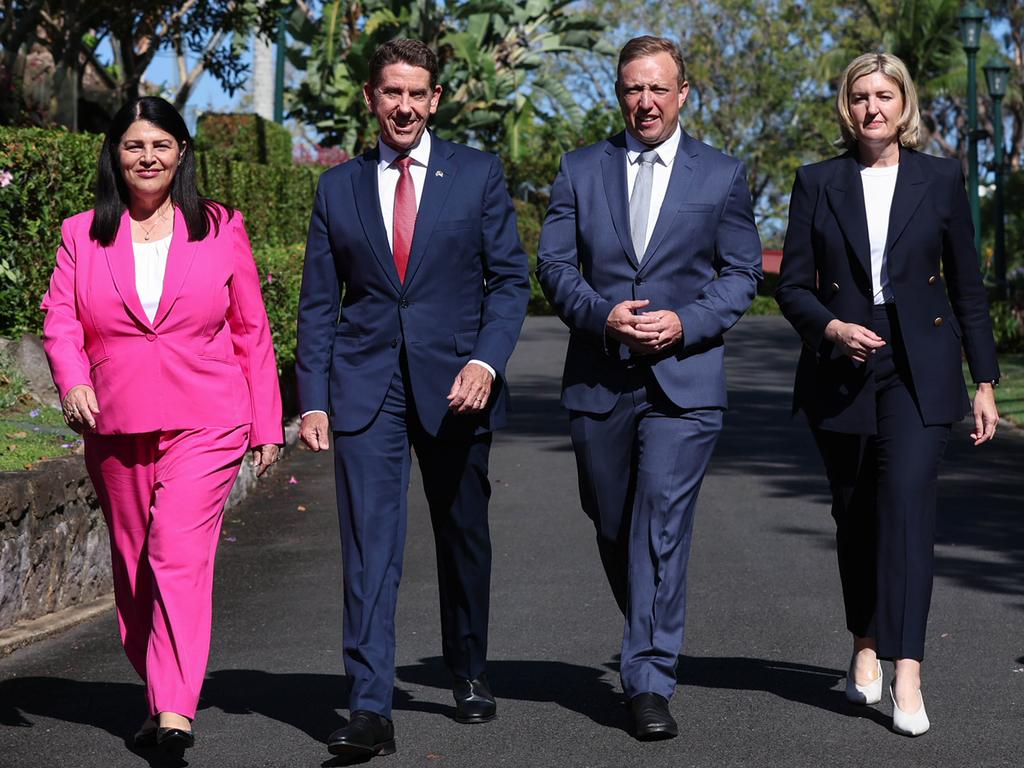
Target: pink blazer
point(206, 360)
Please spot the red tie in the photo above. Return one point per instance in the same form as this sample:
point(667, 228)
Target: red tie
point(404, 223)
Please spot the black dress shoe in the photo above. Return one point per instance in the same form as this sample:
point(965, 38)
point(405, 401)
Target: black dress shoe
point(174, 741)
point(145, 737)
point(474, 702)
point(366, 735)
point(652, 718)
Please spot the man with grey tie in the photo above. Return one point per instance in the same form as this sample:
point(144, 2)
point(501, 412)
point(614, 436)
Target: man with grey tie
point(649, 253)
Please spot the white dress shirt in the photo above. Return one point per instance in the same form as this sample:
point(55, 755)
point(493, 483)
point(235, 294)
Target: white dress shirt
point(662, 171)
point(150, 266)
point(879, 187)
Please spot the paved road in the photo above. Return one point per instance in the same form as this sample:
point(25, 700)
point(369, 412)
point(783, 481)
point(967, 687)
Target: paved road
point(764, 661)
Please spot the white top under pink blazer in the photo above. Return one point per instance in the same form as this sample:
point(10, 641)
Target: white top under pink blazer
point(206, 358)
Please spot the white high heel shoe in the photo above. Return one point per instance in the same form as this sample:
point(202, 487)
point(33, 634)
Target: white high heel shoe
point(912, 724)
point(864, 694)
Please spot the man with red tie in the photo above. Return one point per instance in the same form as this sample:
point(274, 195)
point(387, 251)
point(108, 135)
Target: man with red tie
point(414, 291)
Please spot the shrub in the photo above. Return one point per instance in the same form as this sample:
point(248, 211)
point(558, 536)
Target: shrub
point(247, 138)
point(1007, 326)
point(530, 218)
point(275, 199)
point(280, 271)
point(45, 176)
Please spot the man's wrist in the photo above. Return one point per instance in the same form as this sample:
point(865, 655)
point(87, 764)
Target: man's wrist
point(486, 367)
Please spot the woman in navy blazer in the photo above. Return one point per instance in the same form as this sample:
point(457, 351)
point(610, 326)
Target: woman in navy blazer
point(880, 278)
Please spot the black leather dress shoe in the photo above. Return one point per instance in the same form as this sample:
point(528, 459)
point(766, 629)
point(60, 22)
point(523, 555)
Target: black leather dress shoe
point(474, 702)
point(174, 741)
point(145, 737)
point(652, 718)
point(366, 735)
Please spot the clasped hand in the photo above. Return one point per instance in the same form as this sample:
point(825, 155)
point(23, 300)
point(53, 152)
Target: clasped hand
point(646, 333)
point(855, 341)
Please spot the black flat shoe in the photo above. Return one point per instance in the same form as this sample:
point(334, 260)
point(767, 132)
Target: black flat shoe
point(474, 702)
point(366, 735)
point(145, 737)
point(174, 741)
point(652, 718)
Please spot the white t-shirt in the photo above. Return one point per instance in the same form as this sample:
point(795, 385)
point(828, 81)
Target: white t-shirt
point(879, 186)
point(150, 265)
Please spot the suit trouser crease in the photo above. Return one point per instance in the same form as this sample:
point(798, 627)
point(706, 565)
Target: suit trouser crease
point(884, 492)
point(642, 466)
point(373, 469)
point(163, 496)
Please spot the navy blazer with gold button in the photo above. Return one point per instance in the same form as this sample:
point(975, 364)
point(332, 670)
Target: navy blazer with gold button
point(933, 273)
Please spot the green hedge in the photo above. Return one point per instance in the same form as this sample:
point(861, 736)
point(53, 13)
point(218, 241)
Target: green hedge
point(276, 200)
point(280, 269)
point(248, 138)
point(48, 175)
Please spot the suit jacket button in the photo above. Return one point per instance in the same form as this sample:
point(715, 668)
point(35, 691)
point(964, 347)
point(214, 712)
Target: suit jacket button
point(150, 337)
point(394, 343)
point(937, 322)
point(639, 280)
point(404, 303)
point(933, 280)
point(835, 287)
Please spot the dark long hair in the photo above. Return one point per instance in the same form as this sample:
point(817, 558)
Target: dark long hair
point(112, 196)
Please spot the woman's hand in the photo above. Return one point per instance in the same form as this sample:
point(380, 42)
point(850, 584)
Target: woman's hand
point(263, 456)
point(854, 341)
point(80, 408)
point(986, 417)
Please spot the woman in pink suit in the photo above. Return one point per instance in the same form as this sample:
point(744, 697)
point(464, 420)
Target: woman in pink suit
point(159, 344)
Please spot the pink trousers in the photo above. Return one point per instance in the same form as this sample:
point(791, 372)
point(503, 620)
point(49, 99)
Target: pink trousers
point(163, 496)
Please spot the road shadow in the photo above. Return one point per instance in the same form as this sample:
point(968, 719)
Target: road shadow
point(117, 708)
point(587, 691)
point(580, 689)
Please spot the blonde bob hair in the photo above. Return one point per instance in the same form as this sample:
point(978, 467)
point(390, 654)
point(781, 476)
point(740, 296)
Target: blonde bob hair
point(894, 69)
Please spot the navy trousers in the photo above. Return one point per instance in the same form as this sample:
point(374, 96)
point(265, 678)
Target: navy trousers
point(883, 501)
point(372, 469)
point(640, 470)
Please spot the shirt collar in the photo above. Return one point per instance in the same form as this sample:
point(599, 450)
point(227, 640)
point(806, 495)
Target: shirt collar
point(420, 154)
point(666, 150)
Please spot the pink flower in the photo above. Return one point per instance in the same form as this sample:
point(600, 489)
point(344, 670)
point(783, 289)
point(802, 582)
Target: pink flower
point(270, 277)
point(6, 177)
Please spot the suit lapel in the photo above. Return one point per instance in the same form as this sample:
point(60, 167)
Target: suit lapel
point(846, 197)
point(911, 186)
point(685, 168)
point(367, 197)
point(179, 261)
point(121, 262)
point(613, 170)
point(440, 179)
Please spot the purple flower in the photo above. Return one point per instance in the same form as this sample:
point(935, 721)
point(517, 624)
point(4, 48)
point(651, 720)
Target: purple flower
point(34, 413)
point(6, 177)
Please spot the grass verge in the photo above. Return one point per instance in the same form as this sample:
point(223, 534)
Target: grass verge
point(30, 433)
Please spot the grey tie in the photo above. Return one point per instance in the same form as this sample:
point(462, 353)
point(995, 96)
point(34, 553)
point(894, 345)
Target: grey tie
point(640, 201)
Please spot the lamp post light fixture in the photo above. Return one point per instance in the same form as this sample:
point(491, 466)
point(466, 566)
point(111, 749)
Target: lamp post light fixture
point(996, 74)
point(970, 17)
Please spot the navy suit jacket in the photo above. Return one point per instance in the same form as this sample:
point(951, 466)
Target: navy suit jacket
point(464, 296)
point(933, 273)
point(703, 262)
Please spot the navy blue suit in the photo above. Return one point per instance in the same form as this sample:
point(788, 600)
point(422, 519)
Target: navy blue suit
point(644, 427)
point(380, 355)
point(882, 427)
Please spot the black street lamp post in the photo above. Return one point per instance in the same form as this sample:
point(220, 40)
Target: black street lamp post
point(970, 37)
point(996, 74)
